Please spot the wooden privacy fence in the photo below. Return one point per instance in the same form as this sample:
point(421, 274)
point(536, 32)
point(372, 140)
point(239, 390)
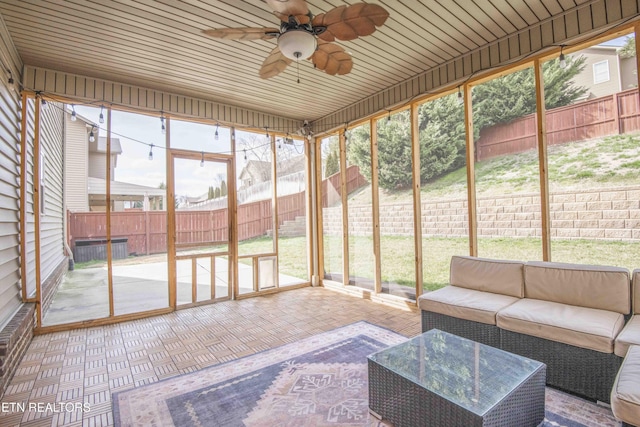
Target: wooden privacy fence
point(146, 231)
point(608, 115)
point(331, 193)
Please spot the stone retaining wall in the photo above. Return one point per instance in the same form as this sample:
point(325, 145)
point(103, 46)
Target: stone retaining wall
point(612, 213)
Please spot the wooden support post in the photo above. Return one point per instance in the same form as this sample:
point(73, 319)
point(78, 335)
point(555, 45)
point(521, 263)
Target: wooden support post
point(309, 209)
point(319, 211)
point(254, 263)
point(345, 210)
point(232, 201)
point(471, 173)
point(213, 276)
point(194, 279)
point(375, 206)
point(171, 221)
point(542, 160)
point(36, 210)
point(417, 203)
point(274, 204)
point(23, 198)
point(108, 213)
point(636, 29)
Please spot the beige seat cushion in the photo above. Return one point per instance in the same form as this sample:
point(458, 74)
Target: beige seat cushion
point(465, 303)
point(630, 335)
point(593, 286)
point(578, 326)
point(625, 394)
point(488, 275)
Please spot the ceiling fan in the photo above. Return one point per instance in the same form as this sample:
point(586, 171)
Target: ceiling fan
point(304, 36)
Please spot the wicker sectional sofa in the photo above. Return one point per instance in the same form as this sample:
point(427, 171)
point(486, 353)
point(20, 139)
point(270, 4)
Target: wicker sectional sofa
point(565, 315)
point(625, 394)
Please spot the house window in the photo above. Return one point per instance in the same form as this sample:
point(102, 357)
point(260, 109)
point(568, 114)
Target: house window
point(601, 72)
point(42, 183)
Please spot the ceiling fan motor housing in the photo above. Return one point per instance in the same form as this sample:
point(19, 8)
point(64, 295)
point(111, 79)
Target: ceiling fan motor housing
point(297, 44)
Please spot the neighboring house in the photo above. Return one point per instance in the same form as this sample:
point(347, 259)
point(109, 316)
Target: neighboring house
point(254, 172)
point(257, 171)
point(98, 157)
point(605, 71)
point(86, 173)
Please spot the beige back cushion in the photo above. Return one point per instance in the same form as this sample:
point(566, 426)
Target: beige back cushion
point(489, 275)
point(593, 286)
point(635, 290)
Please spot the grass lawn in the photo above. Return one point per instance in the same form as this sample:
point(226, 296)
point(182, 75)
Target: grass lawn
point(397, 254)
point(596, 163)
point(293, 253)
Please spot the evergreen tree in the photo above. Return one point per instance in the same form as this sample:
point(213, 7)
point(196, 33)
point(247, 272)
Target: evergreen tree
point(216, 193)
point(223, 188)
point(331, 163)
point(629, 48)
point(512, 96)
point(442, 129)
point(210, 194)
point(442, 137)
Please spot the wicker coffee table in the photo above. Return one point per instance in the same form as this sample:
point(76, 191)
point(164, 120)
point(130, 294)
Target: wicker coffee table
point(440, 379)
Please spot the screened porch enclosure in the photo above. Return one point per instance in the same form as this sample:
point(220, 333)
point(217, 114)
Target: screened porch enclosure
point(390, 200)
point(369, 185)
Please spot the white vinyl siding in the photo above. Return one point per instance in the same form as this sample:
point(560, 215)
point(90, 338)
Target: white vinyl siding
point(10, 287)
point(97, 165)
point(76, 166)
point(30, 243)
point(601, 72)
point(51, 224)
point(43, 184)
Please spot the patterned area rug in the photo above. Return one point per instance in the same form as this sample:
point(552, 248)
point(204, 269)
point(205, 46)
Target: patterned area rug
point(320, 380)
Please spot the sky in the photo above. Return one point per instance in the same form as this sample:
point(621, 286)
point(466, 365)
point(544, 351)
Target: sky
point(137, 132)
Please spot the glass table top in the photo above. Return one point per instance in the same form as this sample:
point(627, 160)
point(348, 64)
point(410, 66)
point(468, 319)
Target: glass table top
point(472, 375)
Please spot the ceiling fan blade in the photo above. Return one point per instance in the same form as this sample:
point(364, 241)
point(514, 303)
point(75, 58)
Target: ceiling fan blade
point(275, 63)
point(332, 59)
point(243, 33)
point(350, 22)
point(284, 8)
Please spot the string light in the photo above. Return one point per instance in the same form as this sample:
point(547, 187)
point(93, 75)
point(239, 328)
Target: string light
point(216, 135)
point(151, 152)
point(460, 98)
point(95, 128)
point(202, 161)
point(74, 116)
point(562, 60)
point(389, 116)
point(101, 119)
point(266, 129)
point(43, 105)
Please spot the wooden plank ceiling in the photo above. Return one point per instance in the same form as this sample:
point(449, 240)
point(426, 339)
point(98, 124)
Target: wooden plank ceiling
point(160, 45)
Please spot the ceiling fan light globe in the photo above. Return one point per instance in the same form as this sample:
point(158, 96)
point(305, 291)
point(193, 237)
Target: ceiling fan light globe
point(297, 44)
